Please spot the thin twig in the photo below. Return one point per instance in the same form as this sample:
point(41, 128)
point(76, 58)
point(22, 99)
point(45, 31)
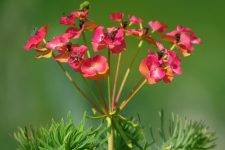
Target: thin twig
point(116, 79)
point(128, 72)
point(90, 89)
point(109, 82)
point(102, 96)
point(78, 88)
point(85, 42)
point(133, 93)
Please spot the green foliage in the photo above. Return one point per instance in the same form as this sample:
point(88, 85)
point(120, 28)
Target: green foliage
point(186, 135)
point(85, 5)
point(129, 134)
point(59, 136)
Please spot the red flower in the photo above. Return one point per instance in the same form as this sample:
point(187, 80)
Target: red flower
point(67, 20)
point(37, 39)
point(150, 69)
point(95, 68)
point(183, 38)
point(57, 42)
point(135, 20)
point(81, 15)
point(70, 19)
point(98, 39)
point(157, 26)
point(113, 40)
point(72, 54)
point(170, 63)
point(160, 66)
point(73, 33)
point(62, 40)
point(117, 16)
point(141, 34)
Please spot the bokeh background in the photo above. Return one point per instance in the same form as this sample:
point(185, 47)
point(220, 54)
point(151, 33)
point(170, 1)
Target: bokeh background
point(34, 91)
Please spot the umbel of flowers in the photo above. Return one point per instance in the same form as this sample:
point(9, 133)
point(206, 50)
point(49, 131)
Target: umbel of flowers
point(160, 64)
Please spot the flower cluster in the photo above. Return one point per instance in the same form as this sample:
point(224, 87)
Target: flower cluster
point(160, 64)
point(86, 57)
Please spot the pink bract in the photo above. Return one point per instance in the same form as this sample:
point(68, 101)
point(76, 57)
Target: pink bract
point(151, 70)
point(142, 34)
point(73, 33)
point(183, 38)
point(73, 55)
point(157, 26)
point(113, 39)
point(57, 42)
point(37, 38)
point(135, 20)
point(98, 39)
point(67, 20)
point(95, 68)
point(117, 16)
point(81, 15)
point(77, 56)
point(160, 66)
point(62, 40)
point(70, 19)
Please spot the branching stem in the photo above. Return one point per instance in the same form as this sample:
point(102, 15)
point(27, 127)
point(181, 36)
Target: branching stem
point(85, 42)
point(109, 81)
point(78, 88)
point(133, 92)
point(115, 81)
point(101, 96)
point(128, 71)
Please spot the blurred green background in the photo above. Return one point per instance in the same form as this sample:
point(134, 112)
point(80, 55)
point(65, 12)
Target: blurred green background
point(34, 91)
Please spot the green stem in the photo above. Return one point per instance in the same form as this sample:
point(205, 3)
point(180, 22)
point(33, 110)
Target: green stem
point(101, 96)
point(122, 85)
point(109, 82)
point(90, 89)
point(128, 71)
point(97, 82)
point(85, 42)
point(78, 88)
point(133, 92)
point(115, 81)
point(110, 133)
point(173, 46)
point(111, 139)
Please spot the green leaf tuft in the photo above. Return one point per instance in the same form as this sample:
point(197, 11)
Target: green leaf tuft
point(59, 136)
point(186, 135)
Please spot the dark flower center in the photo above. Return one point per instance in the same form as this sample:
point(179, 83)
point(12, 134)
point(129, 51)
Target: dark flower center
point(177, 37)
point(145, 30)
point(81, 23)
point(160, 54)
point(112, 35)
point(68, 17)
point(76, 57)
point(124, 24)
point(69, 46)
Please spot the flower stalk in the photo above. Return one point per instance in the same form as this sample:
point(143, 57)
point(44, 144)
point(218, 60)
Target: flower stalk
point(89, 101)
point(116, 80)
point(101, 97)
point(133, 92)
point(109, 82)
point(110, 134)
point(128, 71)
point(85, 42)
